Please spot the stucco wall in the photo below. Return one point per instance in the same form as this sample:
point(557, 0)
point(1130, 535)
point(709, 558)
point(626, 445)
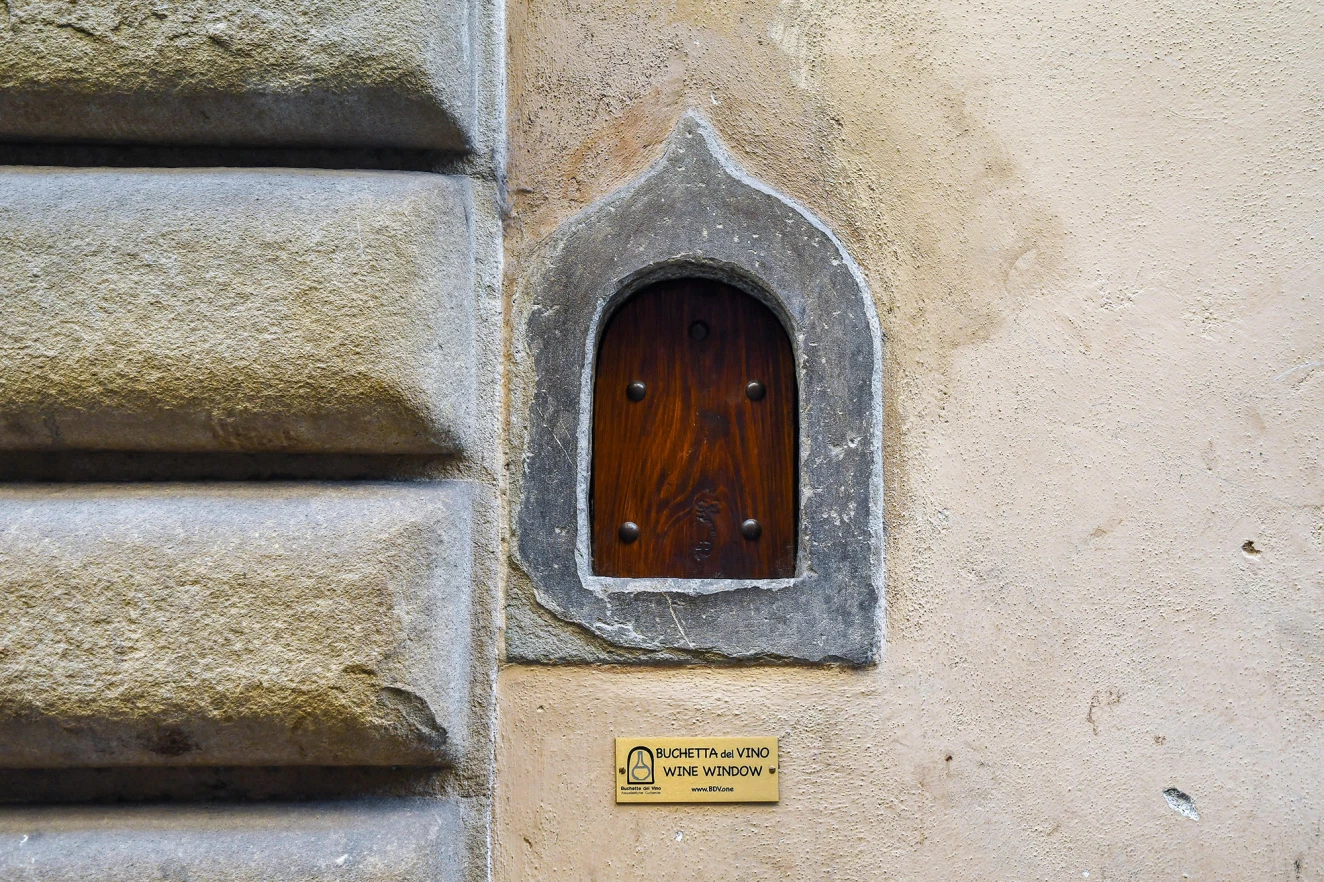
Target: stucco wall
point(1093, 233)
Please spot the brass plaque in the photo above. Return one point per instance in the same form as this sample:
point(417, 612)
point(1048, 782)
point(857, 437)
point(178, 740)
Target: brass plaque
point(696, 770)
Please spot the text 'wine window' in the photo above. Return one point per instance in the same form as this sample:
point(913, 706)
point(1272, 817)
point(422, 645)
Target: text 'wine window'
point(694, 471)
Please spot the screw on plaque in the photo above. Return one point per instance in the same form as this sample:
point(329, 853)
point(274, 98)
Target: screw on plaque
point(756, 390)
point(751, 529)
point(699, 331)
point(621, 770)
point(636, 391)
point(628, 532)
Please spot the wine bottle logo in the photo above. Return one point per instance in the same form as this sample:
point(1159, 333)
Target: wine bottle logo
point(639, 764)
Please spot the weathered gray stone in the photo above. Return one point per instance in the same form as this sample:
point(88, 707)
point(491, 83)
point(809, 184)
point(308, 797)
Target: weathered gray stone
point(282, 72)
point(277, 624)
point(697, 214)
point(389, 841)
point(235, 310)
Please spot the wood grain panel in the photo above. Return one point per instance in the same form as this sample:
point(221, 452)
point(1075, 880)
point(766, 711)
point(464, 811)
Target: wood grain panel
point(696, 456)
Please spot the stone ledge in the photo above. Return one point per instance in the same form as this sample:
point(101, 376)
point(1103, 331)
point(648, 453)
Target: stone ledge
point(287, 73)
point(390, 841)
point(234, 625)
point(236, 310)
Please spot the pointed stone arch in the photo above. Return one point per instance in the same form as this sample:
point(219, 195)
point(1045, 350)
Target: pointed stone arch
point(697, 214)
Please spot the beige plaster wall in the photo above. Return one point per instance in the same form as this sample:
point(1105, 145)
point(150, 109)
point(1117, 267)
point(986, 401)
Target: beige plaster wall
point(1093, 231)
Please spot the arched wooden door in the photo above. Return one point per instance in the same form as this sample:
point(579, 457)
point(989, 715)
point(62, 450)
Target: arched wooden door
point(694, 437)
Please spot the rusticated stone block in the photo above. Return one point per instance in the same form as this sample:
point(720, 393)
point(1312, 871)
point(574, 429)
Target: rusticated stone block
point(283, 624)
point(388, 841)
point(235, 310)
point(280, 72)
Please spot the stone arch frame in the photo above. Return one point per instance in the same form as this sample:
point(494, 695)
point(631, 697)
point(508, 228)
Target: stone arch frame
point(697, 214)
